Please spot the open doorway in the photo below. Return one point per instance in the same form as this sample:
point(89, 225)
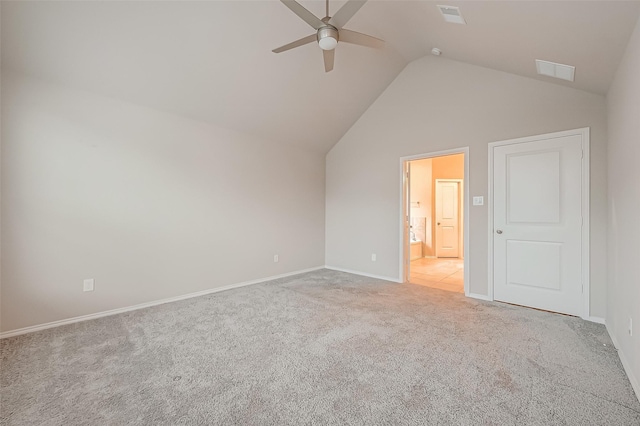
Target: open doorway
point(434, 212)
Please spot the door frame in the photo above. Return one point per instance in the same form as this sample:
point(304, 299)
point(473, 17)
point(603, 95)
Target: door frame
point(403, 243)
point(461, 203)
point(584, 133)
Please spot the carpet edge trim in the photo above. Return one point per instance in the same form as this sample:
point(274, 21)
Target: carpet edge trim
point(58, 323)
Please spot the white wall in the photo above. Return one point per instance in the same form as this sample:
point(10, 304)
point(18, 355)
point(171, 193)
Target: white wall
point(437, 104)
point(149, 204)
point(623, 102)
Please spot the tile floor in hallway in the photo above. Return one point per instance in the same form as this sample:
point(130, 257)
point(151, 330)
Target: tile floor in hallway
point(445, 274)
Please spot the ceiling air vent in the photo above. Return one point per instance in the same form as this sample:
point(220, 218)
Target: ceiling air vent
point(452, 14)
point(552, 69)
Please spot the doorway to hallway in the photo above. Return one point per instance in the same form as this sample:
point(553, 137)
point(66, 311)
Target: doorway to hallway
point(433, 220)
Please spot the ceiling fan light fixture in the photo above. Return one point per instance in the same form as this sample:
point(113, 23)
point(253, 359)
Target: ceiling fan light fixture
point(327, 38)
point(329, 30)
point(328, 43)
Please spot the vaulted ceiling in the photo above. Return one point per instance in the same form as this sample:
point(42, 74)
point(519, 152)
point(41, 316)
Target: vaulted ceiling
point(212, 61)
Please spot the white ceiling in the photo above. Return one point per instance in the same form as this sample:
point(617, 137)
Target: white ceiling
point(212, 61)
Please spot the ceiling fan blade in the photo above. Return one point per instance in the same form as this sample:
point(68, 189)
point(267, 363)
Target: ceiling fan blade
point(329, 56)
point(353, 37)
point(305, 40)
point(346, 12)
point(303, 13)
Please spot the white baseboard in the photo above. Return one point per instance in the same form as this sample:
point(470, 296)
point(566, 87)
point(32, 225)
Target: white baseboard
point(596, 320)
point(635, 384)
point(364, 274)
point(479, 296)
point(34, 328)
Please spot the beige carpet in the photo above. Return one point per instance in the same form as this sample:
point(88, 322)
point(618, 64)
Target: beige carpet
point(321, 348)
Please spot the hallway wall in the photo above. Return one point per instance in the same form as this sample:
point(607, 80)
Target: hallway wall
point(422, 192)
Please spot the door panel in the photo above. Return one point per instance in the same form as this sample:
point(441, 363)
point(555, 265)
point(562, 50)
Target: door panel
point(538, 224)
point(523, 258)
point(534, 200)
point(449, 201)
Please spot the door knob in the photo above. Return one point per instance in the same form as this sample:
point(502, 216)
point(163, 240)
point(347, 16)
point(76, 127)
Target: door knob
point(499, 231)
point(438, 223)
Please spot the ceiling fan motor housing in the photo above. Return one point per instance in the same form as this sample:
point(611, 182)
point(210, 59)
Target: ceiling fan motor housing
point(328, 37)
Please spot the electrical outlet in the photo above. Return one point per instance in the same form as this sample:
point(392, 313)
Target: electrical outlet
point(275, 258)
point(88, 284)
point(373, 257)
point(630, 326)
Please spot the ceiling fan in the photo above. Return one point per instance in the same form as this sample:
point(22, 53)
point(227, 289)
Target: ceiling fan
point(329, 30)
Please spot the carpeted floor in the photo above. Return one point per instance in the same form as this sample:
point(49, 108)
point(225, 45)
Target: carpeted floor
point(320, 348)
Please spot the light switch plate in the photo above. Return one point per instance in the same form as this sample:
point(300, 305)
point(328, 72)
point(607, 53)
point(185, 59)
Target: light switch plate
point(478, 201)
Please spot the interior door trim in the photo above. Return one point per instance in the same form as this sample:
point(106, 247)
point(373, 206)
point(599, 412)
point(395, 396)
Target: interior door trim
point(584, 133)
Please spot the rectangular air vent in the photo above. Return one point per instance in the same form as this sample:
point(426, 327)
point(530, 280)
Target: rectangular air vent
point(552, 69)
point(452, 14)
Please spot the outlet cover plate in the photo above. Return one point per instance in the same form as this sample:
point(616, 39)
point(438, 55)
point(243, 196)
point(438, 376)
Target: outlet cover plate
point(88, 284)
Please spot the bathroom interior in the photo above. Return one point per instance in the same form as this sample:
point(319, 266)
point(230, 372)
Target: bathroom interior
point(436, 222)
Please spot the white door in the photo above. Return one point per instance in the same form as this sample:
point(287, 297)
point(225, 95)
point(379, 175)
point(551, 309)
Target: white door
point(447, 219)
point(537, 232)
